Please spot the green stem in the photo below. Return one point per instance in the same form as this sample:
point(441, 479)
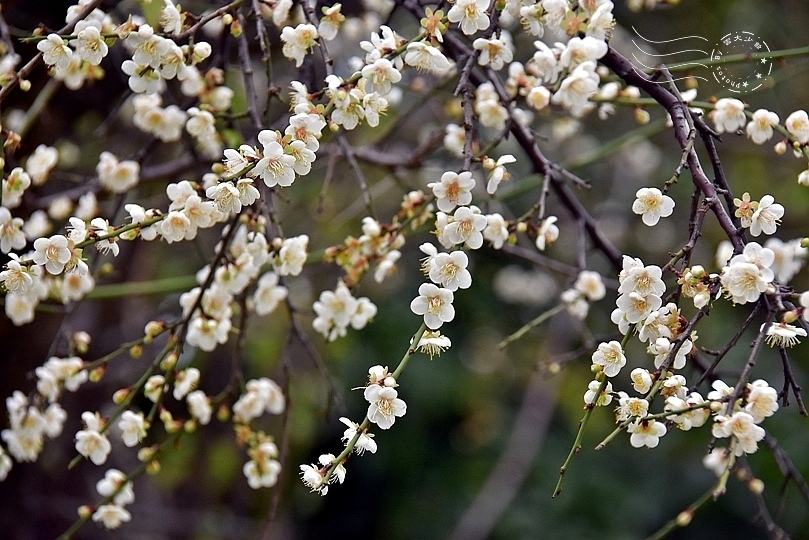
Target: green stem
point(683, 519)
point(536, 322)
point(142, 288)
point(577, 443)
point(737, 58)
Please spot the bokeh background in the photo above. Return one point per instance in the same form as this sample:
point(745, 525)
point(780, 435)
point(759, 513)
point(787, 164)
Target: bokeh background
point(477, 454)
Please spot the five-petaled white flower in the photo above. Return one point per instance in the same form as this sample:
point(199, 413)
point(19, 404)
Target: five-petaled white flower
point(453, 190)
point(385, 404)
point(611, 357)
point(766, 217)
point(646, 433)
point(435, 304)
point(652, 205)
point(728, 116)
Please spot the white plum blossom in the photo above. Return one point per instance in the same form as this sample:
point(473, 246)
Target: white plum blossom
point(466, 228)
point(11, 234)
point(263, 469)
point(133, 428)
point(40, 163)
point(268, 294)
point(385, 405)
point(728, 115)
point(115, 480)
point(652, 205)
point(117, 176)
point(53, 253)
point(766, 217)
point(496, 230)
point(453, 190)
point(425, 57)
point(90, 443)
point(762, 401)
point(578, 50)
point(292, 256)
point(590, 285)
point(548, 233)
point(494, 52)
point(797, 124)
point(297, 41)
point(435, 304)
point(433, 343)
point(470, 15)
point(646, 433)
point(199, 406)
point(111, 516)
point(379, 76)
point(611, 357)
point(783, 334)
point(603, 399)
point(449, 270)
point(55, 51)
point(576, 89)
point(497, 171)
point(90, 45)
point(641, 380)
point(742, 426)
point(365, 441)
point(759, 129)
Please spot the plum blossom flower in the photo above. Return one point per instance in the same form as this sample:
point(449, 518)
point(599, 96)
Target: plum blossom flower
point(90, 45)
point(133, 428)
point(652, 205)
point(115, 480)
point(449, 270)
point(297, 41)
point(54, 51)
point(470, 15)
point(494, 52)
point(766, 217)
point(646, 433)
point(425, 57)
point(762, 401)
point(268, 294)
point(797, 124)
point(742, 426)
point(590, 285)
point(53, 253)
point(548, 233)
point(783, 334)
point(263, 469)
point(611, 357)
point(728, 116)
point(574, 92)
point(497, 171)
point(11, 234)
point(759, 129)
point(111, 516)
point(364, 442)
point(385, 405)
point(466, 228)
point(641, 380)
point(90, 443)
point(435, 304)
point(603, 399)
point(433, 343)
point(453, 190)
point(496, 230)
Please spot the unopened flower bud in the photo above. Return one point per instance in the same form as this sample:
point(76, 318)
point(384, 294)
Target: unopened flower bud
point(153, 467)
point(190, 426)
point(227, 19)
point(165, 416)
point(790, 316)
point(169, 362)
point(598, 370)
point(684, 518)
point(522, 227)
point(223, 413)
point(98, 373)
point(135, 351)
point(85, 511)
point(642, 116)
point(25, 85)
point(780, 148)
point(698, 271)
point(554, 368)
point(120, 395)
point(146, 454)
point(805, 243)
point(756, 486)
point(389, 381)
